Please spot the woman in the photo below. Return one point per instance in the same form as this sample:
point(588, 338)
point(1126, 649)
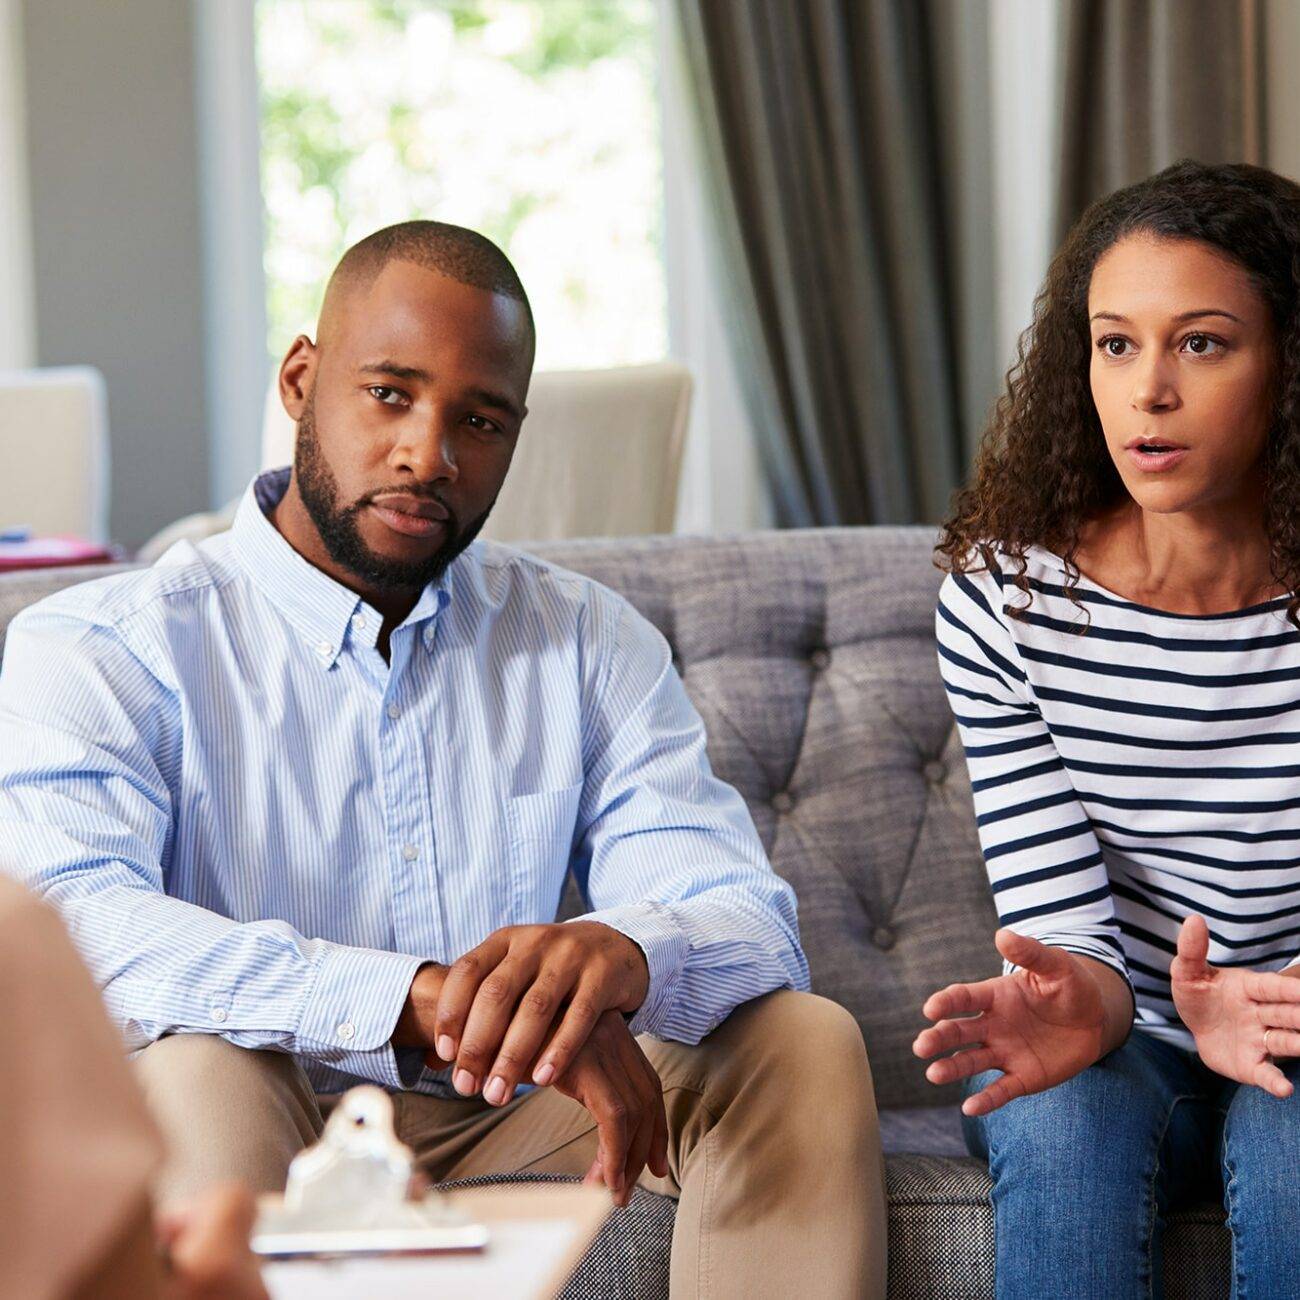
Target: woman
point(1118, 635)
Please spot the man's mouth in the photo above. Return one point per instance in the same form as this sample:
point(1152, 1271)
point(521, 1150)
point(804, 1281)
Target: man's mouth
point(410, 516)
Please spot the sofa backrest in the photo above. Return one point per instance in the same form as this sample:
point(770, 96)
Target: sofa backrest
point(810, 656)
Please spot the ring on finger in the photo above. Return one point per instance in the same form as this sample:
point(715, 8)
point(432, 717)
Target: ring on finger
point(1268, 1051)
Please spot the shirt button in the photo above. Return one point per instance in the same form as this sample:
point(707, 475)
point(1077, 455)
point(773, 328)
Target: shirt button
point(323, 649)
point(346, 1030)
point(393, 711)
point(429, 633)
point(410, 852)
point(218, 1014)
point(359, 622)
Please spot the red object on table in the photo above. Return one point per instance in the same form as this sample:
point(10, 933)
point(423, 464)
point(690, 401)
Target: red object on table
point(52, 553)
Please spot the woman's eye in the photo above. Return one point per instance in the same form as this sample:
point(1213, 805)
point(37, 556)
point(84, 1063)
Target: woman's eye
point(1113, 345)
point(1201, 344)
point(382, 393)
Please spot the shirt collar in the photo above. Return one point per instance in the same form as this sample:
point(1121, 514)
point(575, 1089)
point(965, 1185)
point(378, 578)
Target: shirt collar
point(318, 607)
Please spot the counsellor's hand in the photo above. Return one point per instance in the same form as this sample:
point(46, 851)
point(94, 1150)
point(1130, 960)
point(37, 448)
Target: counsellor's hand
point(206, 1244)
point(1241, 1019)
point(522, 987)
point(612, 1078)
point(1040, 1025)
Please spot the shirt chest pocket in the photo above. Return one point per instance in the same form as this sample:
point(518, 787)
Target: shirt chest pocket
point(541, 829)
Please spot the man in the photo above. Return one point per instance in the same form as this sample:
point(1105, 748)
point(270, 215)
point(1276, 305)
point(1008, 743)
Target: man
point(308, 794)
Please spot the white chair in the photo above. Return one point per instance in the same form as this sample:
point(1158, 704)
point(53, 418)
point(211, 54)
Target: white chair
point(600, 455)
point(54, 455)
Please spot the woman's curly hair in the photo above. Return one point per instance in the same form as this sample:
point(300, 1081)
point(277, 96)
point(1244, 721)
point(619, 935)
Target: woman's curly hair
point(1042, 470)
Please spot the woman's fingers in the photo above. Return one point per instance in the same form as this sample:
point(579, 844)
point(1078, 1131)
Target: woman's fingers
point(948, 1034)
point(1193, 949)
point(1281, 1042)
point(1272, 1080)
point(1028, 953)
point(1280, 1015)
point(1003, 1089)
point(972, 1061)
point(962, 999)
point(1265, 986)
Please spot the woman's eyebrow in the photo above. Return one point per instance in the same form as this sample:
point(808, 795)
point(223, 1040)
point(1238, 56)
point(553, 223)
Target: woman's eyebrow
point(1182, 316)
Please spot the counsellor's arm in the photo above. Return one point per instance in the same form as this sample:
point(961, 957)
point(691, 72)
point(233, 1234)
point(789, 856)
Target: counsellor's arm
point(689, 920)
point(86, 819)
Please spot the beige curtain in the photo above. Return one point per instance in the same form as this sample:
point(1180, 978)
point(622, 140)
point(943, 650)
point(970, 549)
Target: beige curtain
point(850, 173)
point(1147, 82)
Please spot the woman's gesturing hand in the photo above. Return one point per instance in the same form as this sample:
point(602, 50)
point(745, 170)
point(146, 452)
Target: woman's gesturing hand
point(1039, 1026)
point(1241, 1019)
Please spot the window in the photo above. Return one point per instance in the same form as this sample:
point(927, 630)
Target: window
point(533, 121)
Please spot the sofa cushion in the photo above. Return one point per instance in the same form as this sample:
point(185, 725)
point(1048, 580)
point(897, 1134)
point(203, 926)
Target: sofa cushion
point(810, 656)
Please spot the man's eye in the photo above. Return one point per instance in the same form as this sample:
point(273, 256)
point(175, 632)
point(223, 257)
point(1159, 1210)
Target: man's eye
point(382, 393)
point(482, 423)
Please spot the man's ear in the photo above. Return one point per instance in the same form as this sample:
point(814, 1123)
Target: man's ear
point(297, 375)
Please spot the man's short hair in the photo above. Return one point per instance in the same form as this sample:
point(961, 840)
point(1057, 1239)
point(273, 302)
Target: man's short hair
point(454, 251)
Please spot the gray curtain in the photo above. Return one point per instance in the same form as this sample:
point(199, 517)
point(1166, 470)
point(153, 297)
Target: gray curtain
point(1147, 82)
point(851, 188)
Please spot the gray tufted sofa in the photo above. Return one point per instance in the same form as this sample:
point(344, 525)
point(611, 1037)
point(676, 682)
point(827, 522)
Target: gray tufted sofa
point(810, 656)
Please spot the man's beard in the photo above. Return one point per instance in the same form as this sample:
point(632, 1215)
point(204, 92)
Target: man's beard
point(337, 525)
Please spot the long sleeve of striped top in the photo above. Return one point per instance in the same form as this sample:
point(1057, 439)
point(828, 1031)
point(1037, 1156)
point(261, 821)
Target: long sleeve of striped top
point(1130, 776)
point(1044, 863)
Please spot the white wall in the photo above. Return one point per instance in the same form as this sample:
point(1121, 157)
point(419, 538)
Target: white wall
point(17, 306)
point(723, 488)
point(1023, 61)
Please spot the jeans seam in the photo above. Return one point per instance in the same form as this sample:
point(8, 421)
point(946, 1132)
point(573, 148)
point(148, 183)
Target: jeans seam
point(1151, 1194)
point(1230, 1201)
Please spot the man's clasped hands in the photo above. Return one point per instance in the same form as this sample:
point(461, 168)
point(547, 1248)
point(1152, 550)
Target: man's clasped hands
point(546, 1005)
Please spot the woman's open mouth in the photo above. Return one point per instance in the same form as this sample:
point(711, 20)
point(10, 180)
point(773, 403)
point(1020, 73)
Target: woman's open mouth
point(1155, 457)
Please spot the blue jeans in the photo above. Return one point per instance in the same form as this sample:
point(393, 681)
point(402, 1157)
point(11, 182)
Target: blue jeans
point(1084, 1173)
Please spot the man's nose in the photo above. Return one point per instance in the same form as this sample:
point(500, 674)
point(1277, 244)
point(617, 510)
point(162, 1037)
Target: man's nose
point(426, 448)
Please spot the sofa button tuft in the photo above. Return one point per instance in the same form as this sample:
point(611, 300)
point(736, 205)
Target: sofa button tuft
point(883, 938)
point(820, 660)
point(935, 771)
point(783, 802)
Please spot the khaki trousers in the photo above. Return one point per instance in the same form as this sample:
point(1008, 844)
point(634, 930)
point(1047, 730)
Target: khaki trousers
point(773, 1149)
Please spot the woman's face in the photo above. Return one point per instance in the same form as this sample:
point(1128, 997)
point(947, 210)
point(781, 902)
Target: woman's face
point(1183, 360)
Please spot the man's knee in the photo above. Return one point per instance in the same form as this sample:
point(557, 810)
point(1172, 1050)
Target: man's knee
point(787, 1039)
point(226, 1111)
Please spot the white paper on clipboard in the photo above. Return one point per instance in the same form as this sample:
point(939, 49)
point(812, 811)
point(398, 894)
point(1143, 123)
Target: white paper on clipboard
point(537, 1234)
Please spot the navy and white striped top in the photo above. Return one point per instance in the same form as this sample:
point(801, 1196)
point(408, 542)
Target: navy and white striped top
point(256, 827)
point(1131, 776)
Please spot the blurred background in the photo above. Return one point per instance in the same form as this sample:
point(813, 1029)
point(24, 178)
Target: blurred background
point(831, 215)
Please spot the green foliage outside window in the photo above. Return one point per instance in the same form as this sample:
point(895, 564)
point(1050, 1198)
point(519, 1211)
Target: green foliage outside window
point(534, 121)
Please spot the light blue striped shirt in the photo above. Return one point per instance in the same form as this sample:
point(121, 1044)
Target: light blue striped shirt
point(256, 827)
